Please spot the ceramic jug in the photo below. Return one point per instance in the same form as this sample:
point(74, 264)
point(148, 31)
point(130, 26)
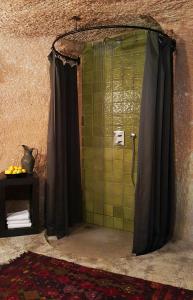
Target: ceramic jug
point(28, 160)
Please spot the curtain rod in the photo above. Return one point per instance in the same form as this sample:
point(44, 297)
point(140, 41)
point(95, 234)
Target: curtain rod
point(100, 27)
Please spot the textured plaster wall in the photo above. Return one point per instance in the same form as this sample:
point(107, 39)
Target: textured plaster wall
point(24, 99)
point(183, 114)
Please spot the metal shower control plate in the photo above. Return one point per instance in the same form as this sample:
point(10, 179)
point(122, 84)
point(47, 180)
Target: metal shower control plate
point(119, 137)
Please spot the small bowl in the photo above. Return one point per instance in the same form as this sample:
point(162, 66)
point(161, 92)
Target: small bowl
point(16, 175)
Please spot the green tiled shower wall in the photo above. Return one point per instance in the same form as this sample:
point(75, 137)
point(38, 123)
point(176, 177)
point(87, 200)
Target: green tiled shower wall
point(112, 83)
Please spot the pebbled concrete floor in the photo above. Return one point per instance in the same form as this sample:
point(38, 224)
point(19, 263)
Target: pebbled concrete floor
point(110, 250)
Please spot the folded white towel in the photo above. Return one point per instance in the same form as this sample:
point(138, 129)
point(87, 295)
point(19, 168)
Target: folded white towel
point(19, 225)
point(19, 215)
point(19, 221)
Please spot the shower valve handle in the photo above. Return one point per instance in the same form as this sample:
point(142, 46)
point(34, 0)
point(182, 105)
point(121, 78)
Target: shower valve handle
point(133, 135)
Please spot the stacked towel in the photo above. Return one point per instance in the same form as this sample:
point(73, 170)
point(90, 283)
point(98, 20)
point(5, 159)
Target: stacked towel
point(19, 219)
point(19, 215)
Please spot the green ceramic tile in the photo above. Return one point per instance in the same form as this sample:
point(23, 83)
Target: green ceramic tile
point(88, 194)
point(97, 177)
point(117, 73)
point(88, 88)
point(126, 178)
point(98, 107)
point(127, 163)
point(88, 120)
point(88, 174)
point(116, 201)
point(97, 165)
point(118, 211)
point(108, 83)
point(108, 117)
point(118, 166)
point(117, 85)
point(108, 130)
point(96, 130)
point(97, 141)
point(128, 213)
point(108, 112)
point(108, 142)
point(117, 154)
point(108, 58)
point(127, 82)
point(116, 189)
point(108, 193)
point(98, 120)
point(128, 225)
point(108, 210)
point(88, 184)
point(128, 201)
point(99, 206)
point(88, 164)
point(108, 198)
point(88, 153)
point(98, 97)
point(89, 205)
point(108, 221)
point(98, 219)
point(98, 154)
point(108, 176)
point(111, 100)
point(117, 175)
point(128, 156)
point(128, 195)
point(108, 100)
point(118, 147)
point(87, 76)
point(89, 217)
point(118, 109)
point(98, 186)
point(108, 153)
point(118, 223)
point(87, 141)
point(113, 193)
point(87, 109)
point(87, 128)
point(108, 166)
point(117, 95)
point(127, 118)
point(117, 55)
point(117, 120)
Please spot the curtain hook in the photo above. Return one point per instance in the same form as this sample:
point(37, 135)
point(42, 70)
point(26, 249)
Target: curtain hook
point(76, 19)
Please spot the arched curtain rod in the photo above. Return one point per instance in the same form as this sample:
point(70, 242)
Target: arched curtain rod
point(100, 27)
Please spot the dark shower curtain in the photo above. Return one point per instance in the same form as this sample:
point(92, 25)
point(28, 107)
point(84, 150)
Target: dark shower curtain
point(154, 203)
point(63, 205)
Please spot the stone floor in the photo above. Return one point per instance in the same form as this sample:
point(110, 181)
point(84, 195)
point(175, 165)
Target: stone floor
point(110, 250)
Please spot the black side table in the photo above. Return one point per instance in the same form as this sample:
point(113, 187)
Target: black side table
point(24, 188)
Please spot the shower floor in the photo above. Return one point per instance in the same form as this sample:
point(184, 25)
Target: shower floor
point(96, 242)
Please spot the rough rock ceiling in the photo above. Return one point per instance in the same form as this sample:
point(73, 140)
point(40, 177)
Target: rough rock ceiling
point(52, 17)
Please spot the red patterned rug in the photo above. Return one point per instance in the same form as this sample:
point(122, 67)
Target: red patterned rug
point(38, 277)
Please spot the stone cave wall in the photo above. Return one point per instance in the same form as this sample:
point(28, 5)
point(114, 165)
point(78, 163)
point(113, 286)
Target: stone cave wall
point(24, 100)
point(183, 126)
